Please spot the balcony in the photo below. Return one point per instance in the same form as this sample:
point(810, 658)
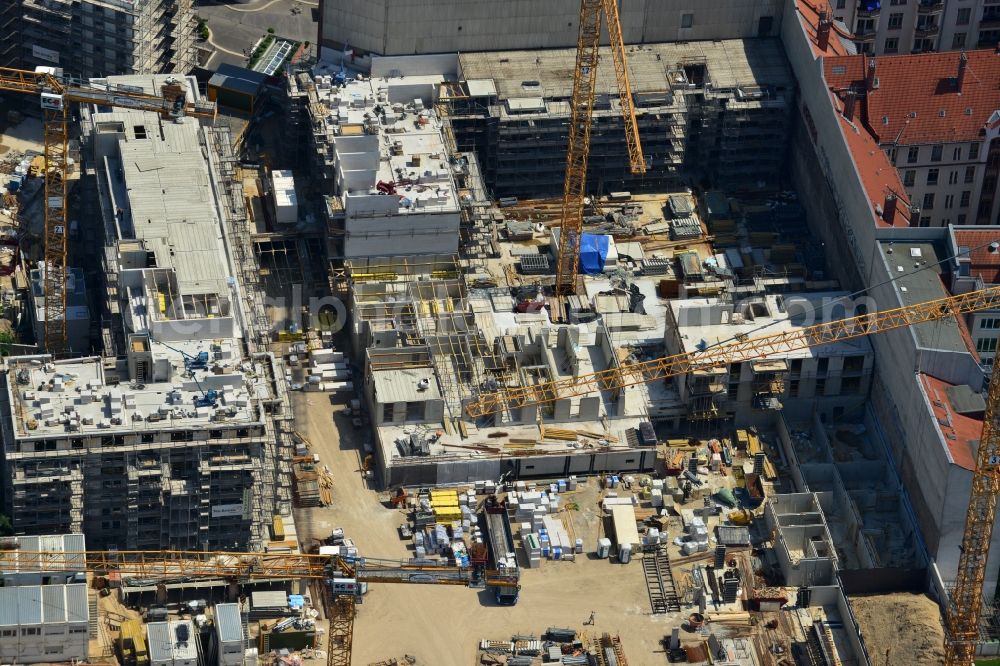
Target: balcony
point(926, 31)
point(865, 37)
point(989, 22)
point(869, 9)
point(930, 6)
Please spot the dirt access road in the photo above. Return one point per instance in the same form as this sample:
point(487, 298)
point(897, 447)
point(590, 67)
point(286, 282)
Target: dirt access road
point(442, 625)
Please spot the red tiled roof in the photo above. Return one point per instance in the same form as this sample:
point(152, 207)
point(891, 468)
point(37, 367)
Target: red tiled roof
point(808, 11)
point(917, 99)
point(965, 430)
point(878, 175)
point(982, 262)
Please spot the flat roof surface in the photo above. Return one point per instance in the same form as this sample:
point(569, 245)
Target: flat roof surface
point(401, 385)
point(548, 73)
point(915, 283)
point(74, 396)
point(50, 543)
point(626, 531)
point(706, 322)
point(38, 604)
point(229, 623)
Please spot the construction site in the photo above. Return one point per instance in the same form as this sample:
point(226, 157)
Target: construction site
point(508, 358)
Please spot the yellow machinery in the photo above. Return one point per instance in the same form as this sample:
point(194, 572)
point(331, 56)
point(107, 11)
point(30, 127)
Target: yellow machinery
point(132, 644)
point(56, 95)
point(965, 608)
point(341, 577)
point(581, 118)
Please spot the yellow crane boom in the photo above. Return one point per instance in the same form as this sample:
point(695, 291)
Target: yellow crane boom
point(581, 120)
point(738, 350)
point(55, 96)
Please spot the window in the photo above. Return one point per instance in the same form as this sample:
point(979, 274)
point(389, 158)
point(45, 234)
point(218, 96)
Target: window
point(952, 177)
point(973, 151)
point(909, 176)
point(990, 323)
point(929, 201)
point(957, 153)
point(687, 20)
point(970, 174)
point(841, 4)
point(963, 202)
point(897, 3)
point(53, 650)
point(925, 220)
point(949, 200)
point(35, 631)
point(891, 45)
point(913, 154)
point(8, 633)
point(932, 176)
point(820, 387)
point(986, 345)
point(793, 388)
point(78, 630)
point(961, 220)
point(964, 14)
point(895, 21)
point(936, 153)
point(958, 40)
point(821, 366)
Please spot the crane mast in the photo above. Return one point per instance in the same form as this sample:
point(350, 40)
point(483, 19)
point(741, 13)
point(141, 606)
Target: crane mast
point(581, 120)
point(967, 597)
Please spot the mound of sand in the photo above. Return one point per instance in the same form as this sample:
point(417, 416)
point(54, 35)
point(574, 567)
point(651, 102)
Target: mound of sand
point(908, 625)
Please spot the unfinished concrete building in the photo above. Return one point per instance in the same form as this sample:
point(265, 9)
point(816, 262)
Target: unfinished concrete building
point(91, 38)
point(379, 146)
point(832, 380)
point(429, 343)
point(709, 113)
point(173, 443)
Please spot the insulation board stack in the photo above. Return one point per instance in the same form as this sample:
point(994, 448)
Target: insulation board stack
point(561, 546)
point(444, 504)
point(532, 550)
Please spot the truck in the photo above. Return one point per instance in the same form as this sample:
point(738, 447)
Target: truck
point(503, 559)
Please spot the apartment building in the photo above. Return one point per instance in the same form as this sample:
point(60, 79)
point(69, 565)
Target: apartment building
point(721, 116)
point(90, 38)
point(831, 380)
point(172, 443)
point(939, 129)
point(976, 265)
point(380, 146)
point(885, 27)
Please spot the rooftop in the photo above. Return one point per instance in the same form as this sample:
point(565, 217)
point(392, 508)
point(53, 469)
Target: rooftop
point(653, 68)
point(386, 130)
point(56, 544)
point(916, 276)
point(972, 245)
point(918, 98)
point(43, 604)
point(704, 322)
point(839, 42)
point(961, 431)
point(172, 641)
point(78, 396)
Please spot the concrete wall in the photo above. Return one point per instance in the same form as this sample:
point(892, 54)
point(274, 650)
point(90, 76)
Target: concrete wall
point(414, 233)
point(405, 27)
point(432, 471)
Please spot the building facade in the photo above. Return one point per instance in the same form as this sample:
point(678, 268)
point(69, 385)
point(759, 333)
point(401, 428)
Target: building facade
point(90, 38)
point(721, 118)
point(414, 27)
point(918, 26)
point(939, 130)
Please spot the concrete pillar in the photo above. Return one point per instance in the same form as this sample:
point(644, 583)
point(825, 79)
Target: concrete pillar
point(590, 408)
point(561, 410)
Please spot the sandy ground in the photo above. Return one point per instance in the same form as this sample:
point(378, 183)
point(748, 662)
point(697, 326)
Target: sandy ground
point(908, 624)
point(442, 625)
point(26, 135)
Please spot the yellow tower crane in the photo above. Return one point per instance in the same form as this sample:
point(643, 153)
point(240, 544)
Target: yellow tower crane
point(340, 576)
point(581, 119)
point(964, 609)
point(55, 96)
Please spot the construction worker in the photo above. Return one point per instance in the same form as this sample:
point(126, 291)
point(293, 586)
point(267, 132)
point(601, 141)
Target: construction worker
point(591, 620)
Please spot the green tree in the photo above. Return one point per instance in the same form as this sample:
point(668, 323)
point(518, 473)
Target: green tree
point(6, 529)
point(7, 339)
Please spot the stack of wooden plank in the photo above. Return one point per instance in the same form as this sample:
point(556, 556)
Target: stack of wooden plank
point(312, 485)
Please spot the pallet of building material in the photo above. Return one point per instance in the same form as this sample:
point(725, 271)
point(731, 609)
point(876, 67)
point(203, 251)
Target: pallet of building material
point(656, 266)
point(496, 647)
point(537, 264)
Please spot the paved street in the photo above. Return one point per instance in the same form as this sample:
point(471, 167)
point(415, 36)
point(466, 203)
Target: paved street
point(236, 26)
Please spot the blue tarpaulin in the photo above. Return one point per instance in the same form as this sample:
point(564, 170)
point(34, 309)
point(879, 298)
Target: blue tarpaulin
point(593, 253)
